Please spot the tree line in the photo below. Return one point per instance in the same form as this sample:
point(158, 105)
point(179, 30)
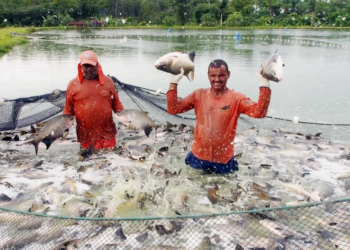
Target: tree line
point(208, 13)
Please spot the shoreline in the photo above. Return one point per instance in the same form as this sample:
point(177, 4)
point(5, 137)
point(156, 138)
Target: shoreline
point(7, 43)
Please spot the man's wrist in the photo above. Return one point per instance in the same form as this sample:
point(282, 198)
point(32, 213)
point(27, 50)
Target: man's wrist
point(173, 86)
point(264, 83)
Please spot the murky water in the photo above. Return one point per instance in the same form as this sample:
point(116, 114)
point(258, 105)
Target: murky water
point(315, 85)
point(314, 88)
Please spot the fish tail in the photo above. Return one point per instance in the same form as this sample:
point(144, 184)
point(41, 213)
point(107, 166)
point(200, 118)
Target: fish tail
point(147, 130)
point(191, 55)
point(48, 144)
point(36, 146)
point(33, 142)
point(188, 77)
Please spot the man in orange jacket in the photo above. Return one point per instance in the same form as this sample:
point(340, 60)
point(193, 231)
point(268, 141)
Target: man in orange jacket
point(217, 110)
point(91, 97)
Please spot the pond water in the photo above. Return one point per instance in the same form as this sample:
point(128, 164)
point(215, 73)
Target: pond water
point(315, 86)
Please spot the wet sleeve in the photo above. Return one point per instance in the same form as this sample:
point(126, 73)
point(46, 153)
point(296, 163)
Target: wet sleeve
point(117, 105)
point(69, 106)
point(176, 106)
point(259, 109)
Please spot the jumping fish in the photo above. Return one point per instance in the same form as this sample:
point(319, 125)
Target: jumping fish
point(280, 229)
point(299, 189)
point(136, 119)
point(54, 128)
point(174, 61)
point(205, 244)
point(272, 68)
point(342, 176)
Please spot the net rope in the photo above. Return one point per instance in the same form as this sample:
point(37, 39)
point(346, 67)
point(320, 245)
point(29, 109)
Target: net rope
point(321, 225)
point(21, 112)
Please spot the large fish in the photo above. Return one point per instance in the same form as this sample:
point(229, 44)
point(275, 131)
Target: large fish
point(54, 128)
point(138, 119)
point(272, 68)
point(299, 189)
point(174, 61)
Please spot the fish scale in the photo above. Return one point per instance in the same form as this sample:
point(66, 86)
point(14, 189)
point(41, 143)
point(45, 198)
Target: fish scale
point(272, 68)
point(174, 61)
point(53, 129)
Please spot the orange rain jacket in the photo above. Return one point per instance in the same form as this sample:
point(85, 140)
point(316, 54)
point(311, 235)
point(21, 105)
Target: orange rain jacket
point(92, 102)
point(217, 119)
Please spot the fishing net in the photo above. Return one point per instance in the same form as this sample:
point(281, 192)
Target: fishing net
point(22, 112)
point(312, 226)
point(323, 225)
point(154, 103)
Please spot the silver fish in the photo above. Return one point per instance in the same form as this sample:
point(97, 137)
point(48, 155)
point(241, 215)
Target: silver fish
point(205, 244)
point(137, 119)
point(54, 128)
point(299, 189)
point(174, 61)
point(272, 68)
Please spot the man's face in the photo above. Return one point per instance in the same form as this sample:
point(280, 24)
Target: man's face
point(89, 71)
point(218, 78)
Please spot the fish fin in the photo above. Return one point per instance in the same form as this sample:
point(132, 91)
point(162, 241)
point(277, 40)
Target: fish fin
point(36, 146)
point(191, 55)
point(32, 141)
point(48, 143)
point(192, 75)
point(86, 153)
point(158, 126)
point(32, 129)
point(186, 74)
point(147, 130)
point(28, 140)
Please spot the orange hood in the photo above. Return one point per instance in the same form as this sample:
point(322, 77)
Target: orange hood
point(99, 73)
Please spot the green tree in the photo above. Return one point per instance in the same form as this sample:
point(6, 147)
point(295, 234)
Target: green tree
point(234, 19)
point(211, 11)
point(64, 7)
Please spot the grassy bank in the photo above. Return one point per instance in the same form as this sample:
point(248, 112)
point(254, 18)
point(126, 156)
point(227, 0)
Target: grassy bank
point(188, 27)
point(7, 42)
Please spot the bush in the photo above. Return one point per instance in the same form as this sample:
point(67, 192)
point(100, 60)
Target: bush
point(50, 21)
point(264, 20)
point(31, 29)
point(60, 20)
point(64, 20)
point(234, 19)
point(292, 19)
point(169, 21)
point(208, 20)
point(27, 21)
point(130, 20)
point(305, 20)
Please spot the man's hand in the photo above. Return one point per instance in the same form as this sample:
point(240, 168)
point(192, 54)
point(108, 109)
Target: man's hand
point(176, 78)
point(263, 82)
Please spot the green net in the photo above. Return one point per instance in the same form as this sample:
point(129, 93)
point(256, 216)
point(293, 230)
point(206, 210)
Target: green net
point(263, 224)
point(312, 226)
